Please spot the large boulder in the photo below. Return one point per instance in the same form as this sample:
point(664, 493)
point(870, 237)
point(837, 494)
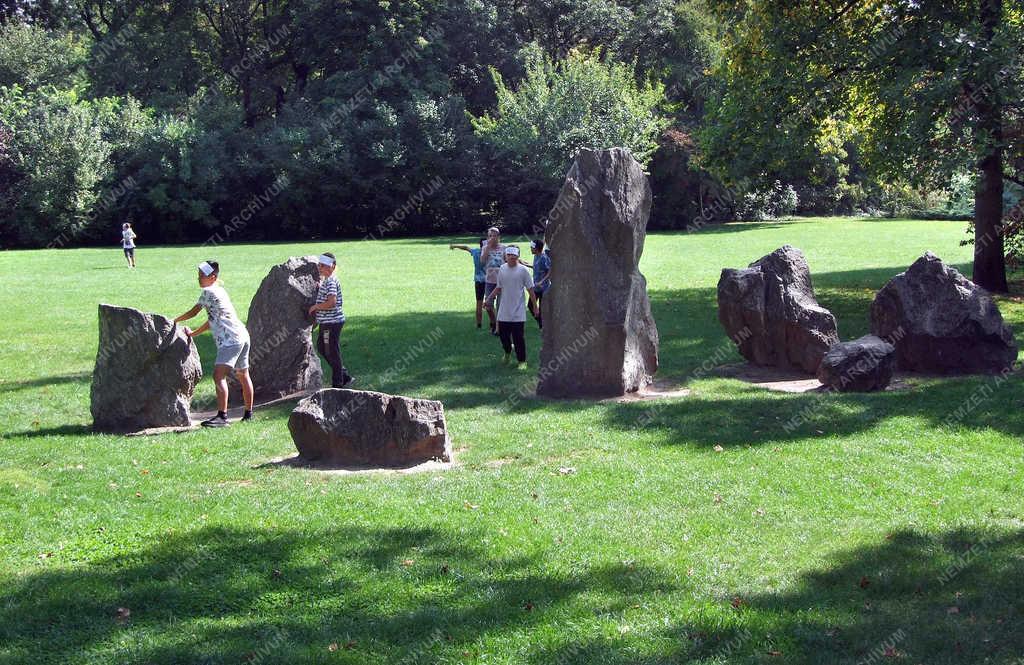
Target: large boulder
point(769, 310)
point(941, 322)
point(863, 365)
point(282, 357)
point(361, 427)
point(599, 338)
point(146, 371)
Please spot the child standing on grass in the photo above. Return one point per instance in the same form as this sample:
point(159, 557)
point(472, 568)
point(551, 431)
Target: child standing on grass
point(541, 276)
point(513, 280)
point(331, 320)
point(479, 277)
point(492, 256)
point(128, 243)
point(232, 341)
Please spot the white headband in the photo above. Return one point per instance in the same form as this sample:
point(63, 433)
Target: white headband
point(512, 249)
point(326, 260)
point(206, 269)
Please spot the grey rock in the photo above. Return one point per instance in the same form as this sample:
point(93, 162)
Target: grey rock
point(599, 338)
point(863, 365)
point(282, 357)
point(770, 312)
point(146, 371)
point(941, 322)
point(361, 427)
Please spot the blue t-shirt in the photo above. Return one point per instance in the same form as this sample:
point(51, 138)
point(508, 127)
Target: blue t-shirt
point(478, 269)
point(541, 268)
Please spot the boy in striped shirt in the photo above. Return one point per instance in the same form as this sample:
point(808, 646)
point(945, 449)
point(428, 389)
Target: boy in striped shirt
point(331, 319)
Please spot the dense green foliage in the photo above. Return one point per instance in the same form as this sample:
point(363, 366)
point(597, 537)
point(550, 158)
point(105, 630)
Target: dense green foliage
point(811, 546)
point(364, 109)
point(850, 99)
point(326, 118)
point(558, 108)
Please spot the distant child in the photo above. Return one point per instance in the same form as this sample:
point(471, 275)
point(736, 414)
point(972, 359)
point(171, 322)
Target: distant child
point(231, 338)
point(492, 256)
point(513, 280)
point(331, 320)
point(541, 275)
point(128, 243)
point(479, 277)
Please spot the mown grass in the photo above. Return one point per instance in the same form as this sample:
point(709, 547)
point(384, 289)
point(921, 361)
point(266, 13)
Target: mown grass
point(875, 532)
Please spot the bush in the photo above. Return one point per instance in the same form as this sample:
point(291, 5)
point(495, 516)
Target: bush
point(767, 203)
point(559, 108)
point(60, 153)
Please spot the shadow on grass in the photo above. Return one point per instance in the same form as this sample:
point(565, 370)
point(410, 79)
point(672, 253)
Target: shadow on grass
point(61, 430)
point(44, 382)
point(955, 597)
point(220, 595)
point(426, 595)
point(753, 416)
point(441, 355)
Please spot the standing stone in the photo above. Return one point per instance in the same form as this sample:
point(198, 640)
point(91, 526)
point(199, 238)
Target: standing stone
point(942, 322)
point(770, 312)
point(282, 357)
point(146, 371)
point(862, 365)
point(361, 427)
point(599, 338)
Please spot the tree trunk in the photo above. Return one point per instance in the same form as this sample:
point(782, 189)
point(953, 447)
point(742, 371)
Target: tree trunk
point(989, 262)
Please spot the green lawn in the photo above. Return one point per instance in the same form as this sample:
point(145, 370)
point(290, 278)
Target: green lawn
point(874, 533)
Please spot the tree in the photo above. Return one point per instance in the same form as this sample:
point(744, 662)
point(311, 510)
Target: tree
point(32, 57)
point(562, 106)
point(60, 156)
point(558, 108)
point(925, 85)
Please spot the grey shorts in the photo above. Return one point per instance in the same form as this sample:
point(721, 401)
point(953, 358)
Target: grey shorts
point(236, 355)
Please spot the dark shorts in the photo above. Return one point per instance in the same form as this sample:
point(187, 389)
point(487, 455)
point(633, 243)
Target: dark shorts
point(129, 251)
point(479, 290)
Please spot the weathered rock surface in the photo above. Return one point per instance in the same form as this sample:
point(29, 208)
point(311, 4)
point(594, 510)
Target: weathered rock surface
point(282, 357)
point(146, 371)
point(770, 312)
point(361, 427)
point(599, 338)
point(862, 365)
point(941, 322)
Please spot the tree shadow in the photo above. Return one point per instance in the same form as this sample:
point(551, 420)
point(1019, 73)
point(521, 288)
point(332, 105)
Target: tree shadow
point(221, 595)
point(953, 597)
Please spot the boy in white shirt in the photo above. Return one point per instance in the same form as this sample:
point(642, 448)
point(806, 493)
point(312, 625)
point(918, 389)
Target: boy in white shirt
point(512, 280)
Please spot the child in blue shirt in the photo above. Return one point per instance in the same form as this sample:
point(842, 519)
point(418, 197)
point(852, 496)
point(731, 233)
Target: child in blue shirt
point(541, 275)
point(479, 277)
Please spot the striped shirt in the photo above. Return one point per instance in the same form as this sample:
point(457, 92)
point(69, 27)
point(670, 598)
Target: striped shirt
point(329, 287)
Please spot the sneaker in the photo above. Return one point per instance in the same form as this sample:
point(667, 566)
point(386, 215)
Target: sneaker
point(246, 417)
point(506, 358)
point(216, 421)
point(349, 380)
point(521, 366)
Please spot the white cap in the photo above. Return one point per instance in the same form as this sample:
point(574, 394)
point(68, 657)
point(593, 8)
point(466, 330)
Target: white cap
point(512, 249)
point(326, 260)
point(205, 268)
